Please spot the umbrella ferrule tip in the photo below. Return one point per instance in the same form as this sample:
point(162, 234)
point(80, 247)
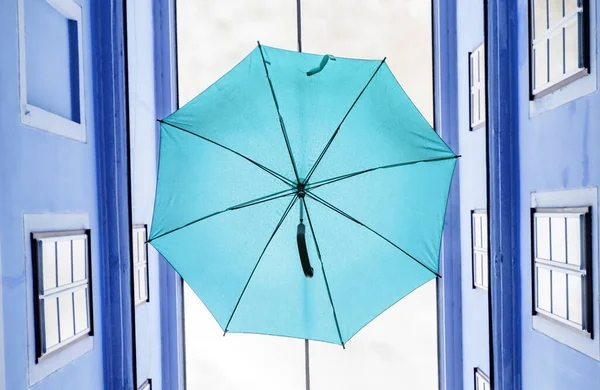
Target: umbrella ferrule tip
point(301, 190)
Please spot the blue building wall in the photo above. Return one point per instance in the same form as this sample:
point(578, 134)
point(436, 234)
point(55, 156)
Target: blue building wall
point(48, 177)
point(557, 149)
point(548, 145)
point(472, 193)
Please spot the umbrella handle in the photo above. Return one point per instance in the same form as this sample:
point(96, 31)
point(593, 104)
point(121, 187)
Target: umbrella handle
point(302, 250)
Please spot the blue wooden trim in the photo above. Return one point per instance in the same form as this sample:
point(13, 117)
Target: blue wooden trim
point(113, 178)
point(446, 124)
point(501, 41)
point(171, 286)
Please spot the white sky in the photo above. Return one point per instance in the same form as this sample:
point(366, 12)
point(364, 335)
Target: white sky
point(398, 350)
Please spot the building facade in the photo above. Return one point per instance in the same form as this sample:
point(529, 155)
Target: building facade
point(517, 97)
point(85, 303)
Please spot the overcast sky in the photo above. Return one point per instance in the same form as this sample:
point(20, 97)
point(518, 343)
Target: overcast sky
point(398, 350)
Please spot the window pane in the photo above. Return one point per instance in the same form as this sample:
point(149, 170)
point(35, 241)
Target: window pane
point(570, 6)
point(559, 294)
point(477, 230)
point(572, 46)
point(141, 247)
point(64, 262)
point(555, 11)
point(79, 263)
point(556, 55)
point(484, 235)
point(474, 104)
point(543, 289)
point(50, 326)
point(575, 294)
point(472, 70)
point(140, 287)
point(143, 284)
point(574, 241)
point(80, 298)
point(540, 22)
point(543, 237)
point(484, 267)
point(65, 310)
point(559, 239)
point(49, 264)
point(477, 269)
point(540, 64)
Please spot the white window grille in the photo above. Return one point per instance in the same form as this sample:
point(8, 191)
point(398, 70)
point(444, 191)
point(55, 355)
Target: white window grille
point(559, 44)
point(479, 229)
point(140, 264)
point(62, 285)
point(477, 87)
point(562, 284)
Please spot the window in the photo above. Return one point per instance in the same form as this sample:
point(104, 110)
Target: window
point(559, 48)
point(562, 284)
point(477, 87)
point(480, 248)
point(564, 268)
point(62, 288)
point(140, 264)
point(482, 382)
point(51, 67)
point(147, 385)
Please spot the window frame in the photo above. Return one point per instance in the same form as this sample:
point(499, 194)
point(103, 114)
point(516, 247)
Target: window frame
point(37, 269)
point(587, 297)
point(136, 265)
point(38, 117)
point(553, 86)
point(478, 372)
point(481, 86)
point(474, 284)
point(147, 385)
point(564, 336)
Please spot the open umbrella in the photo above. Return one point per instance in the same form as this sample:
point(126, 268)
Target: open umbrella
point(301, 195)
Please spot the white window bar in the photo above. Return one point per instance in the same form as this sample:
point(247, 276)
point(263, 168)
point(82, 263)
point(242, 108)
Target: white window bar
point(482, 382)
point(477, 87)
point(562, 285)
point(140, 264)
point(480, 248)
point(559, 41)
point(62, 284)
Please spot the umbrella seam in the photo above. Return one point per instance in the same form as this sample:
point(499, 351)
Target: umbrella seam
point(337, 210)
point(259, 165)
point(337, 324)
point(285, 136)
point(350, 175)
point(254, 202)
point(285, 214)
point(337, 130)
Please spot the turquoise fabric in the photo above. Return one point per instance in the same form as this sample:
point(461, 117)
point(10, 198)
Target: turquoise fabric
point(236, 161)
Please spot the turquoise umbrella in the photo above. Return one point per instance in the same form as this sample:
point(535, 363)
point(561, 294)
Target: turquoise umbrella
point(301, 195)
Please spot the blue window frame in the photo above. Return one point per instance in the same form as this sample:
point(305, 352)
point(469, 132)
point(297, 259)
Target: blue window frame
point(559, 44)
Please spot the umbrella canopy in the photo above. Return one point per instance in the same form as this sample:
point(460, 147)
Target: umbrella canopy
point(334, 144)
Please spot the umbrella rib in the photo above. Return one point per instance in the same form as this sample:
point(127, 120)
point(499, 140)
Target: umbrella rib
point(332, 207)
point(285, 135)
point(337, 130)
point(287, 211)
point(312, 230)
point(253, 202)
point(349, 175)
point(268, 170)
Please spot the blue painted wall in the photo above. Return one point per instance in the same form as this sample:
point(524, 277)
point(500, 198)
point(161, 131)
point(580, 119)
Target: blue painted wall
point(44, 173)
point(472, 168)
point(529, 152)
point(558, 149)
